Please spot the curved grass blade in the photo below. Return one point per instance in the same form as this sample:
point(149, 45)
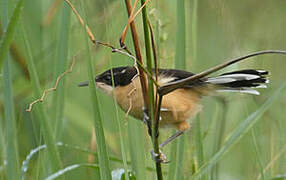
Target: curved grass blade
point(238, 133)
point(105, 172)
point(9, 33)
point(70, 168)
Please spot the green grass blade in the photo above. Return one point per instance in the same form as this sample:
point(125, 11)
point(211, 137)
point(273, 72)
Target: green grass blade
point(70, 168)
point(12, 154)
point(53, 153)
point(151, 104)
point(9, 33)
point(180, 60)
point(62, 53)
point(105, 172)
point(136, 147)
point(122, 141)
point(257, 153)
point(12, 157)
point(172, 165)
point(199, 157)
point(220, 127)
point(238, 133)
point(194, 33)
point(180, 63)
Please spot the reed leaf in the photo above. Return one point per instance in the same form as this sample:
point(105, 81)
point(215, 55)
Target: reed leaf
point(39, 109)
point(239, 132)
point(12, 154)
point(105, 172)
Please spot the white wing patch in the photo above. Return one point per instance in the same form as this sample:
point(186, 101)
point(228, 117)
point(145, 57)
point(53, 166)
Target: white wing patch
point(248, 91)
point(164, 79)
point(231, 78)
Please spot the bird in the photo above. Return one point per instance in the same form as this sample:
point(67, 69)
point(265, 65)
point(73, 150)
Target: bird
point(181, 104)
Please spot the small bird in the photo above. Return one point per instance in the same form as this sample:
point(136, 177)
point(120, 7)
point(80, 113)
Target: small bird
point(181, 104)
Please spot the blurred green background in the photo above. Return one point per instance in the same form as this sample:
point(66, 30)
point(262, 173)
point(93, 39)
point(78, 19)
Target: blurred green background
point(220, 30)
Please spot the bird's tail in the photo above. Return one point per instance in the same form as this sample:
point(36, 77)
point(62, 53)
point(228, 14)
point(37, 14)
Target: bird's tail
point(243, 81)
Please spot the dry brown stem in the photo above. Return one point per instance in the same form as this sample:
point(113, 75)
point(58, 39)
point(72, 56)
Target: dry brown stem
point(131, 19)
point(53, 88)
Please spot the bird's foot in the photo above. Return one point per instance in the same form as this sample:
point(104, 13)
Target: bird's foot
point(159, 157)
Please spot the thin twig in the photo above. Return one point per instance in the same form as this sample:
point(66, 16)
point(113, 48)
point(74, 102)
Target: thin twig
point(130, 20)
point(126, 52)
point(123, 35)
point(91, 36)
point(53, 88)
point(175, 85)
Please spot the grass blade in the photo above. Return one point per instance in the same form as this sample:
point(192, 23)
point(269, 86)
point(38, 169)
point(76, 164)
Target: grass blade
point(105, 172)
point(39, 109)
point(257, 153)
point(172, 165)
point(150, 87)
point(122, 141)
point(180, 63)
point(62, 53)
point(70, 168)
point(9, 33)
point(199, 156)
point(238, 133)
point(180, 60)
point(12, 154)
point(12, 157)
point(137, 152)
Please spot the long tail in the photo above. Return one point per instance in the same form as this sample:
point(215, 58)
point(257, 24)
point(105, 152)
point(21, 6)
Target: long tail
point(240, 81)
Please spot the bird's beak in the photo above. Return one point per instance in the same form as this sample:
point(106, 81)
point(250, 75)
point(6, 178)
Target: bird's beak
point(82, 84)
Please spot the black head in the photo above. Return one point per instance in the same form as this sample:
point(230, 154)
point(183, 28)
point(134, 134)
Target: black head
point(122, 76)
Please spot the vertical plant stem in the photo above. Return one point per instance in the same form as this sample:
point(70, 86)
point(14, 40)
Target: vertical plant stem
point(44, 121)
point(257, 154)
point(137, 152)
point(194, 32)
point(173, 163)
point(150, 88)
point(220, 129)
point(12, 155)
point(62, 53)
point(180, 63)
point(199, 157)
point(180, 60)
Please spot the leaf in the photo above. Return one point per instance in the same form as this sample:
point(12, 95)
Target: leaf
point(70, 168)
point(238, 133)
point(9, 33)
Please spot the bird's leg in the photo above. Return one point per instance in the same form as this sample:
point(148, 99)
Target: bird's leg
point(171, 138)
point(147, 121)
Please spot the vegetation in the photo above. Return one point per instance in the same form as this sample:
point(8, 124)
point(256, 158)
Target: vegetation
point(236, 136)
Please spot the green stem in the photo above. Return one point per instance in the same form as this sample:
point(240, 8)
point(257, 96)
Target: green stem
point(150, 88)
